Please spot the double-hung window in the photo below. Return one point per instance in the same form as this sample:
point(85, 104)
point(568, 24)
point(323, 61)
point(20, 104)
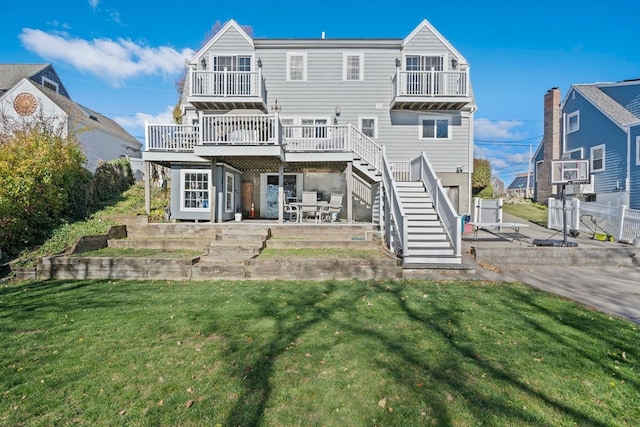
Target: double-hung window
point(368, 127)
point(435, 127)
point(353, 68)
point(195, 189)
point(314, 128)
point(597, 158)
point(573, 121)
point(296, 66)
point(229, 193)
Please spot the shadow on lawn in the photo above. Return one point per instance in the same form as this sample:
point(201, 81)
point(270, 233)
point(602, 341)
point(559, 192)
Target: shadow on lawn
point(446, 322)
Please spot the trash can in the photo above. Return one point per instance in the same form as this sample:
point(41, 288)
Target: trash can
point(238, 217)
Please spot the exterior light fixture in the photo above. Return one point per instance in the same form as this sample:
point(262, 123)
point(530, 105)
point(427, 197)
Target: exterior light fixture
point(454, 63)
point(398, 63)
point(203, 62)
point(259, 62)
point(337, 111)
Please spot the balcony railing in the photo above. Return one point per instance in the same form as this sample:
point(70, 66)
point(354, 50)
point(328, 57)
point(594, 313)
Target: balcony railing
point(226, 83)
point(247, 130)
point(431, 83)
point(238, 129)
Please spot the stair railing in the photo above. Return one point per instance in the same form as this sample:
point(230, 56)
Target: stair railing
point(394, 220)
point(421, 170)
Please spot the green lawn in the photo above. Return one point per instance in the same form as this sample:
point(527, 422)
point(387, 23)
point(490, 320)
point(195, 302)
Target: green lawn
point(327, 354)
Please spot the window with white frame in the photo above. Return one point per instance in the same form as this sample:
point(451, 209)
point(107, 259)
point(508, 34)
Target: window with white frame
point(229, 193)
point(314, 128)
point(573, 121)
point(50, 84)
point(353, 66)
point(368, 126)
point(435, 127)
point(296, 66)
point(573, 154)
point(597, 158)
point(638, 150)
point(195, 192)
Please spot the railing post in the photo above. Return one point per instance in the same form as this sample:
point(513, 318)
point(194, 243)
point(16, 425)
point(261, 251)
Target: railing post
point(621, 215)
point(225, 82)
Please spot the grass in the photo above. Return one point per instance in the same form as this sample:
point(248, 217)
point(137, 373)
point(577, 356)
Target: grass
point(533, 212)
point(330, 353)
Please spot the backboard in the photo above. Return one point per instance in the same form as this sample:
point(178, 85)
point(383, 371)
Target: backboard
point(570, 171)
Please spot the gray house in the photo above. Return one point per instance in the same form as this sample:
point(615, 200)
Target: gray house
point(29, 89)
point(264, 120)
point(599, 122)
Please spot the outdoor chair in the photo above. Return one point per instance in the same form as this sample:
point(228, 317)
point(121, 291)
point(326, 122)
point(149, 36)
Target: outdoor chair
point(331, 211)
point(309, 205)
point(291, 212)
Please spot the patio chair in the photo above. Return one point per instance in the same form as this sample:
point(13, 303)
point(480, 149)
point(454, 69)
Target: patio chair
point(309, 205)
point(331, 211)
point(291, 212)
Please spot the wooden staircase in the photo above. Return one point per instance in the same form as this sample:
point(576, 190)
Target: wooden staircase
point(428, 244)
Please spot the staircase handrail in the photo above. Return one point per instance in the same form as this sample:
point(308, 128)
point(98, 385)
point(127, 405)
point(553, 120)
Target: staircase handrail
point(422, 170)
point(396, 220)
point(365, 148)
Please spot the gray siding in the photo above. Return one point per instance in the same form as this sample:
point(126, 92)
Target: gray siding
point(232, 42)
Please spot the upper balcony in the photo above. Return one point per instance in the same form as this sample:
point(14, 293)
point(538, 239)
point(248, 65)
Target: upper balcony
point(227, 90)
point(430, 90)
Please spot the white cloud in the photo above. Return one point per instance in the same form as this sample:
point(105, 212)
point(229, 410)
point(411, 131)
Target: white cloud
point(111, 60)
point(135, 124)
point(94, 3)
point(485, 129)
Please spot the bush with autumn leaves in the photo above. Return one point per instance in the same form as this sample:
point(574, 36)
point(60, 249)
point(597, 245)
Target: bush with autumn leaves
point(43, 182)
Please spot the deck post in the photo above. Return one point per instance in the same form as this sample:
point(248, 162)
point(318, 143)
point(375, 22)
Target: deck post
point(281, 193)
point(213, 194)
point(147, 188)
point(349, 176)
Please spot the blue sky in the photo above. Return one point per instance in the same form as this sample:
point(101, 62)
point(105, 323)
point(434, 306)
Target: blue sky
point(122, 58)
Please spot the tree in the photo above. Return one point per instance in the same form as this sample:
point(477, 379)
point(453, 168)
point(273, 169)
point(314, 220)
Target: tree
point(42, 180)
point(481, 176)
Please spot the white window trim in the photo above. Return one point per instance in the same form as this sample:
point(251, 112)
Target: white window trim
point(304, 66)
point(567, 154)
point(637, 150)
point(375, 124)
point(591, 159)
point(183, 172)
point(229, 196)
point(434, 117)
point(51, 82)
point(345, 57)
point(569, 117)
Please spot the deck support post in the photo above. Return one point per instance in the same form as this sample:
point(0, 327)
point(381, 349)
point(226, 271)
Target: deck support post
point(349, 176)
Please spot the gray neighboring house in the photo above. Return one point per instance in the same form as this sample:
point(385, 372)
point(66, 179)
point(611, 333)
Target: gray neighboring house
point(265, 119)
point(27, 89)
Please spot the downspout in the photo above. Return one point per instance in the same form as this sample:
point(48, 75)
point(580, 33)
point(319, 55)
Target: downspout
point(470, 165)
point(627, 181)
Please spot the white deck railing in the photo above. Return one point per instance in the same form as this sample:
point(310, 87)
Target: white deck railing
point(395, 225)
point(431, 83)
point(238, 129)
point(171, 137)
point(421, 170)
point(226, 83)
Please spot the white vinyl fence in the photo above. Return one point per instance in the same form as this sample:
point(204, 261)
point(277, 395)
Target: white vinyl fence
point(619, 221)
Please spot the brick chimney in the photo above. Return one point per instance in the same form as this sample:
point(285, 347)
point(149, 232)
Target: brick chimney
point(550, 145)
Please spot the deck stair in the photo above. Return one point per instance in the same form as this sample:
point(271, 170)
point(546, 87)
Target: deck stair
point(428, 244)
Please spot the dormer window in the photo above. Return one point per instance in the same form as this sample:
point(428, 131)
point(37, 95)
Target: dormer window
point(50, 84)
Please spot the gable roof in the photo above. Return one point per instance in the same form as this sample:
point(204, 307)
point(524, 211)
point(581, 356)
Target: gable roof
point(86, 116)
point(426, 24)
point(226, 27)
point(603, 102)
point(10, 74)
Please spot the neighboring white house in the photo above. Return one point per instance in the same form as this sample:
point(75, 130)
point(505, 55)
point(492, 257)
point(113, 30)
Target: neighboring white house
point(28, 89)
